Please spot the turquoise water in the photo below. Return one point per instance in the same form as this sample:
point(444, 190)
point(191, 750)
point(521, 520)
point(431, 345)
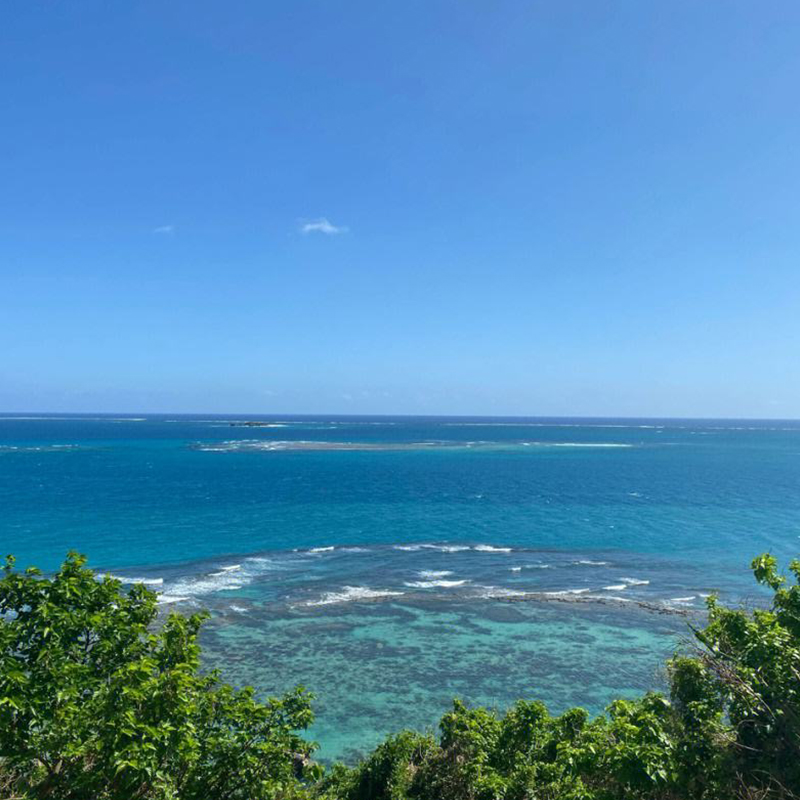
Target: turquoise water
point(392, 563)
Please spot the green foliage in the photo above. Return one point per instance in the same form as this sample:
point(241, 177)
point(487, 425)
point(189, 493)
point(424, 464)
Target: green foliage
point(95, 703)
point(729, 729)
point(387, 773)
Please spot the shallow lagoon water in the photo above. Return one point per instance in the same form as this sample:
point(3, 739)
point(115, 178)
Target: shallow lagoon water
point(385, 666)
point(390, 564)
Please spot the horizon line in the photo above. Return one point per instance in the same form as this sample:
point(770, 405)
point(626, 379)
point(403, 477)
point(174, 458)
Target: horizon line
point(255, 414)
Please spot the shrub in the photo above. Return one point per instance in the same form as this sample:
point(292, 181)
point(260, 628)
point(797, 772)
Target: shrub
point(95, 703)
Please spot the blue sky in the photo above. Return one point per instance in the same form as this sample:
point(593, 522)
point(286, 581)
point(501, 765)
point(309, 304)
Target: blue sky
point(461, 207)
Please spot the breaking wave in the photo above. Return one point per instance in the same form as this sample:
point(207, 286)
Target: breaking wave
point(350, 594)
point(437, 584)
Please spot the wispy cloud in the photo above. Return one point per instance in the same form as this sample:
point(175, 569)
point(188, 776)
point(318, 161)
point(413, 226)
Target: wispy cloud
point(164, 229)
point(322, 225)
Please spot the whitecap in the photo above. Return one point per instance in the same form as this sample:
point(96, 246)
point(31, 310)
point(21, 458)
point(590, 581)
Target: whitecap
point(352, 594)
point(488, 548)
point(212, 582)
point(448, 548)
point(563, 592)
point(499, 591)
point(44, 448)
point(617, 587)
point(167, 599)
point(226, 570)
point(579, 444)
point(516, 569)
point(434, 584)
point(434, 573)
point(327, 549)
point(588, 563)
point(634, 582)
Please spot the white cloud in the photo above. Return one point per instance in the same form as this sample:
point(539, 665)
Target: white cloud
point(322, 225)
point(164, 229)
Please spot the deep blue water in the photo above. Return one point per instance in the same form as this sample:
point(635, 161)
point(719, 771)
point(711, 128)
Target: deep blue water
point(426, 535)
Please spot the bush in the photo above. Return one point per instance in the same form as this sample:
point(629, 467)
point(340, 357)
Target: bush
point(95, 704)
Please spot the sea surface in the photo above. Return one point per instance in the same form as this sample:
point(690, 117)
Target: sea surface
point(391, 564)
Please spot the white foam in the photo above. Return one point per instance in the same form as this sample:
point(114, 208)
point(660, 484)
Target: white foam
point(448, 548)
point(435, 584)
point(634, 582)
point(577, 444)
point(499, 591)
point(588, 563)
point(224, 580)
point(442, 548)
point(682, 600)
point(352, 594)
point(488, 548)
point(617, 587)
point(226, 570)
point(239, 609)
point(567, 592)
point(328, 549)
point(44, 448)
point(516, 569)
point(234, 445)
point(434, 573)
point(228, 577)
point(166, 599)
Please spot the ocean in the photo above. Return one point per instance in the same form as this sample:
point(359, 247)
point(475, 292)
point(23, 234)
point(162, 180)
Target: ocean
point(391, 564)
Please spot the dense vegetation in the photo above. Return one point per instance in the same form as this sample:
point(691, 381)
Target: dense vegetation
point(97, 703)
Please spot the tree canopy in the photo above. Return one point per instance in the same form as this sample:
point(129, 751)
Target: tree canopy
point(98, 702)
